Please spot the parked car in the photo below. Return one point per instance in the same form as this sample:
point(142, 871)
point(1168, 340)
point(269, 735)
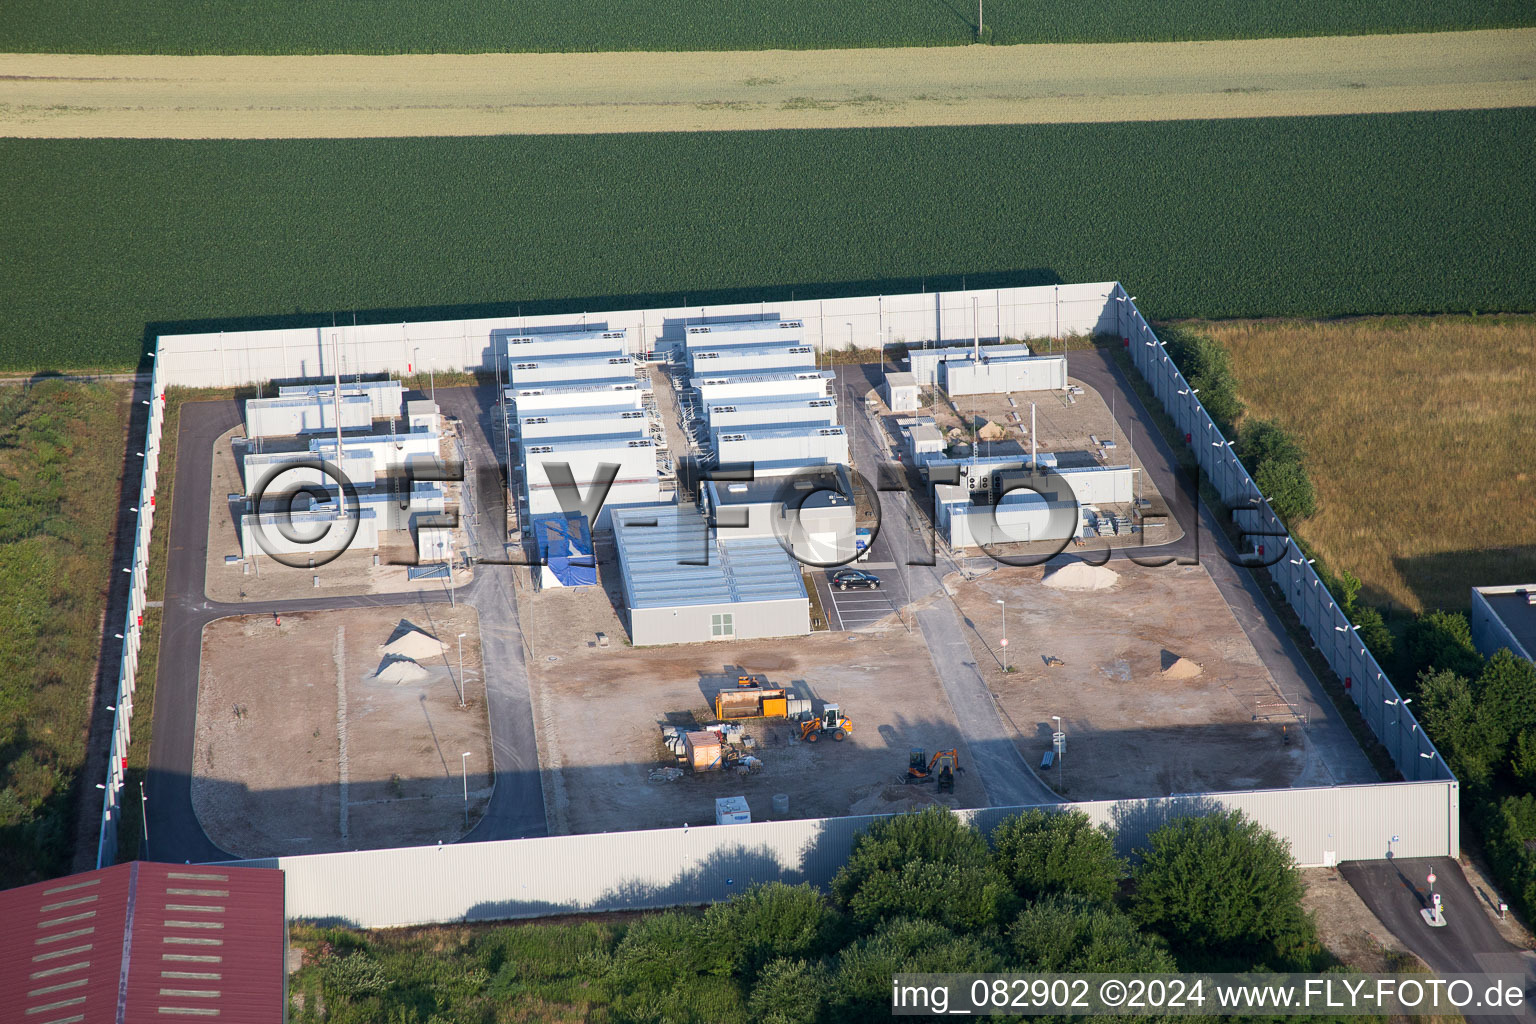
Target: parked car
point(845, 578)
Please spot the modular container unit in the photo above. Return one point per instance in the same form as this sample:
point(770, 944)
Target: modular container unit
point(308, 533)
point(635, 457)
point(286, 417)
point(642, 493)
point(901, 392)
point(750, 359)
point(387, 450)
point(384, 396)
point(423, 415)
point(522, 348)
point(570, 369)
point(433, 544)
point(1101, 485)
point(732, 810)
point(716, 390)
point(276, 471)
point(619, 394)
point(744, 332)
point(790, 412)
point(923, 439)
point(925, 362)
point(809, 445)
point(995, 376)
point(1020, 517)
point(583, 422)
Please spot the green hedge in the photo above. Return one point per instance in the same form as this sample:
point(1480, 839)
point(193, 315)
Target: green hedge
point(108, 241)
point(473, 26)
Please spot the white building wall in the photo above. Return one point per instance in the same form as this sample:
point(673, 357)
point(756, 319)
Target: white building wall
point(1011, 522)
point(385, 396)
point(794, 409)
point(751, 359)
point(386, 451)
point(542, 500)
point(227, 359)
point(318, 532)
point(751, 332)
point(551, 370)
point(636, 458)
point(521, 348)
point(531, 427)
point(1101, 485)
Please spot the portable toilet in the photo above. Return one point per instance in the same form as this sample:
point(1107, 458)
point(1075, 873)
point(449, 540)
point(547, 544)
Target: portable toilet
point(732, 810)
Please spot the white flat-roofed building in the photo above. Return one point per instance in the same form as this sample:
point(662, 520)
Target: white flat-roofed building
point(994, 375)
point(805, 445)
point(583, 422)
point(559, 370)
point(289, 417)
point(925, 362)
point(522, 348)
point(384, 396)
point(717, 362)
point(744, 332)
point(816, 383)
point(635, 457)
point(617, 394)
point(900, 392)
point(771, 412)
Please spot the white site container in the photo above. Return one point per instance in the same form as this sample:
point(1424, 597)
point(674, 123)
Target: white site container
point(793, 411)
point(1101, 485)
point(583, 422)
point(303, 534)
point(732, 810)
point(627, 394)
point(900, 392)
point(522, 348)
point(274, 471)
point(422, 414)
point(811, 445)
point(761, 385)
point(925, 361)
point(570, 369)
point(745, 332)
point(750, 359)
point(433, 544)
point(384, 396)
point(623, 494)
point(286, 417)
point(388, 451)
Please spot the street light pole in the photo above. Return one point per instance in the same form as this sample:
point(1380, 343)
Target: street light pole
point(1057, 738)
point(432, 378)
point(461, 670)
point(464, 769)
point(1005, 632)
point(144, 810)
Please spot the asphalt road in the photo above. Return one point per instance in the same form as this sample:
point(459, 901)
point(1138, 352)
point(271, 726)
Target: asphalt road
point(1397, 890)
point(516, 807)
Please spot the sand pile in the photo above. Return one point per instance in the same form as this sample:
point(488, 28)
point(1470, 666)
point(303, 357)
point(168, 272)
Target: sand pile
point(1081, 576)
point(1182, 668)
point(400, 670)
point(416, 645)
point(992, 432)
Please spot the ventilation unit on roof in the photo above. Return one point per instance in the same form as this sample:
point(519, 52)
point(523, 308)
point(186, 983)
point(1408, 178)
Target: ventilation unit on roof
point(801, 349)
point(725, 408)
point(639, 444)
point(616, 360)
point(527, 366)
point(830, 431)
point(613, 334)
point(706, 355)
point(540, 449)
point(631, 414)
point(537, 419)
point(821, 403)
point(733, 437)
point(737, 488)
point(790, 323)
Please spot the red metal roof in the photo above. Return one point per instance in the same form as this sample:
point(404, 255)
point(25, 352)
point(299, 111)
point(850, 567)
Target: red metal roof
point(142, 942)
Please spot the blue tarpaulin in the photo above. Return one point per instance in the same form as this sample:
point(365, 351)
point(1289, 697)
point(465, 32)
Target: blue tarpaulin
point(565, 548)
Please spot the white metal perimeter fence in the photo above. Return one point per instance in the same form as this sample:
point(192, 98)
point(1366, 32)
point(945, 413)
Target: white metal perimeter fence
point(132, 634)
point(1331, 631)
point(688, 866)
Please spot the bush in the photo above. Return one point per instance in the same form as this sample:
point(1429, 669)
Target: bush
point(960, 896)
point(1223, 890)
point(790, 992)
point(1043, 852)
point(862, 990)
point(1505, 693)
point(1443, 640)
point(1450, 716)
point(1288, 489)
point(657, 953)
point(1373, 631)
point(1071, 935)
point(1207, 367)
point(932, 835)
point(764, 923)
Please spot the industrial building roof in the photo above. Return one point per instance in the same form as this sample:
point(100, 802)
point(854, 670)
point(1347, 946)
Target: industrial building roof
point(743, 378)
point(656, 544)
point(1514, 609)
point(775, 430)
point(586, 442)
point(620, 383)
point(759, 490)
point(145, 941)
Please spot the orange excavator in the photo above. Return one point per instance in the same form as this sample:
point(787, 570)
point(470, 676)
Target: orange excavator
point(831, 721)
point(941, 768)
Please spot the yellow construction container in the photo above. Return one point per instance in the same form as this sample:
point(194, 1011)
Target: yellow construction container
point(775, 707)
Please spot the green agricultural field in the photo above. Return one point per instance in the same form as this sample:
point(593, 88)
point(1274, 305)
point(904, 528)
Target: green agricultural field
point(474, 26)
point(107, 242)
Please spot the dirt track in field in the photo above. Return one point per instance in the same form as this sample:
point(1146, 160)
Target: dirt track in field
point(69, 96)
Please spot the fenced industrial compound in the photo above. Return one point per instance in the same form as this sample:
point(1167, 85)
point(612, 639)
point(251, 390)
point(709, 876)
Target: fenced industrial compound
point(563, 874)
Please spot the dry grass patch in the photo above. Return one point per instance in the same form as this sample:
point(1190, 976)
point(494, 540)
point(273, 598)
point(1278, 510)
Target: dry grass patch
point(1421, 441)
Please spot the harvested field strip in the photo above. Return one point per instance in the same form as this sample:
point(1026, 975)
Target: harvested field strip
point(51, 96)
point(1421, 441)
point(478, 26)
point(107, 242)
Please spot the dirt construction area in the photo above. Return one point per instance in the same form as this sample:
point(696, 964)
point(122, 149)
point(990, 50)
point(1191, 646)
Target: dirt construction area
point(599, 711)
point(334, 96)
point(1158, 688)
point(302, 748)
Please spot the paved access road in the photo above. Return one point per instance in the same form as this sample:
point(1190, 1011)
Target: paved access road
point(354, 96)
point(1397, 890)
point(516, 808)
